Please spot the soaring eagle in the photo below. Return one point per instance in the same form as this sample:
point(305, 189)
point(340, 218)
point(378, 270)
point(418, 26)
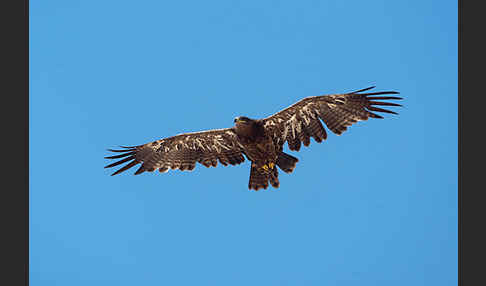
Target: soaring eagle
point(259, 140)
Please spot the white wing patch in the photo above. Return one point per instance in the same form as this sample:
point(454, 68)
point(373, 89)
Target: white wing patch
point(293, 123)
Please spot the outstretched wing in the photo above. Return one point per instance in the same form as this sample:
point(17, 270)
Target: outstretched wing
point(182, 152)
point(300, 121)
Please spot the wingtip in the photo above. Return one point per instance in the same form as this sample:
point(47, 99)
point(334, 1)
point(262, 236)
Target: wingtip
point(364, 89)
point(140, 170)
point(126, 147)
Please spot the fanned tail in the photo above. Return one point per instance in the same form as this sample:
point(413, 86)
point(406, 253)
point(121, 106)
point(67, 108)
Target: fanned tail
point(286, 162)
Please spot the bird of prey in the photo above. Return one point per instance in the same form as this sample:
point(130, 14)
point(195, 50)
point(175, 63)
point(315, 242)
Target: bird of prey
point(261, 141)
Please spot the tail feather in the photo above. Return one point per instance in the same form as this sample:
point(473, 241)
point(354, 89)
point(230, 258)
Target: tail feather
point(273, 177)
point(260, 179)
point(286, 162)
point(257, 179)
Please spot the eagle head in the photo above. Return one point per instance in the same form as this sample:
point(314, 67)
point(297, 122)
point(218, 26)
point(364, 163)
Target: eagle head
point(243, 120)
point(248, 127)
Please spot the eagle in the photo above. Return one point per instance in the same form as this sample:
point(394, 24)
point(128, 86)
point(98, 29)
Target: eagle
point(261, 141)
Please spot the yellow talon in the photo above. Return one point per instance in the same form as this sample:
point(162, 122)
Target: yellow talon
point(271, 165)
point(265, 167)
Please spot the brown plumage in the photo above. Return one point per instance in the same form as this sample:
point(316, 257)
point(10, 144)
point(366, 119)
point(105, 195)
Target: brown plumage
point(260, 141)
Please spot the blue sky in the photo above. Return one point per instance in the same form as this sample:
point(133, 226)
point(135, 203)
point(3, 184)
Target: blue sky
point(374, 206)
